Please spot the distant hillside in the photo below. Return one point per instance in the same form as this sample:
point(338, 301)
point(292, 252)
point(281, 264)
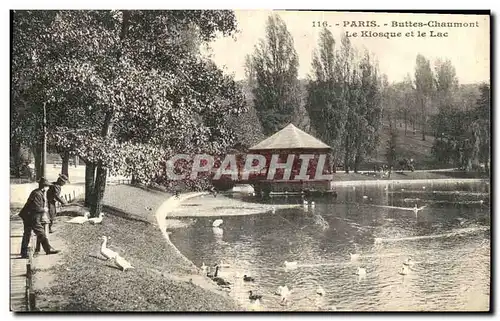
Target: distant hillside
point(409, 146)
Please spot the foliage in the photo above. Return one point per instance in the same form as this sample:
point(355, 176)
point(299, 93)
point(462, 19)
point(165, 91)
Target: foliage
point(424, 87)
point(124, 89)
point(392, 154)
point(275, 66)
point(463, 137)
point(344, 99)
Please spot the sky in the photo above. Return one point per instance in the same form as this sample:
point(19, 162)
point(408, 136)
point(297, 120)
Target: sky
point(468, 48)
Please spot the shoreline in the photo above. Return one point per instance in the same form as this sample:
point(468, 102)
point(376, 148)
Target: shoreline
point(408, 181)
point(196, 277)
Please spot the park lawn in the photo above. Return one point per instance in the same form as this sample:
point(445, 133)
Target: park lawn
point(82, 281)
point(134, 200)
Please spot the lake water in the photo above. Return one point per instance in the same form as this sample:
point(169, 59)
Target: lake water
point(448, 241)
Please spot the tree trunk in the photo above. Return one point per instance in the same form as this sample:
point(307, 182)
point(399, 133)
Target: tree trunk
point(346, 155)
point(101, 172)
point(37, 152)
point(16, 159)
point(133, 180)
point(356, 163)
point(423, 119)
point(65, 164)
point(89, 183)
point(406, 121)
point(99, 189)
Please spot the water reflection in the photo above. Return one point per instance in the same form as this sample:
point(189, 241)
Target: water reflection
point(448, 242)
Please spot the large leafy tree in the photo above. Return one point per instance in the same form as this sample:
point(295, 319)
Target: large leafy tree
point(136, 83)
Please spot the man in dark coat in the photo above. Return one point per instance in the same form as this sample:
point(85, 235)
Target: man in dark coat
point(53, 196)
point(31, 214)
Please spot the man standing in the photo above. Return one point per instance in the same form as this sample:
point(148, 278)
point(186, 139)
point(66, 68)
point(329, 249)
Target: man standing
point(53, 196)
point(31, 214)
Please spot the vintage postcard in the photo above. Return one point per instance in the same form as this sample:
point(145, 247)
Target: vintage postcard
point(250, 160)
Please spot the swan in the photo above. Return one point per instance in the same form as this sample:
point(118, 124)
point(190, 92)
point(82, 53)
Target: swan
point(304, 203)
point(122, 263)
point(247, 278)
point(217, 222)
point(80, 219)
point(273, 210)
point(320, 291)
point(378, 240)
point(255, 305)
point(290, 265)
point(96, 220)
point(361, 271)
point(312, 204)
point(283, 290)
point(423, 187)
point(213, 275)
point(107, 253)
point(354, 257)
point(365, 197)
point(254, 297)
point(408, 261)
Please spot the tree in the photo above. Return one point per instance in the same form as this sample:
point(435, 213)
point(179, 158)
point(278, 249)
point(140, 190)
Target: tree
point(325, 102)
point(369, 110)
point(424, 86)
point(275, 61)
point(141, 88)
point(446, 83)
point(463, 136)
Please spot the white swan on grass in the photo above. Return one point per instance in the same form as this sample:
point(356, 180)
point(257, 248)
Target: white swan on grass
point(107, 253)
point(80, 219)
point(96, 220)
point(122, 263)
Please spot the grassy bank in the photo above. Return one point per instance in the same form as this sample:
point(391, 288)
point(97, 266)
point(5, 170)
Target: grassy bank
point(80, 280)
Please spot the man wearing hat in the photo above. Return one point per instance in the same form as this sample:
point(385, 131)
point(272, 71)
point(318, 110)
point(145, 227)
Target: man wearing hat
point(53, 196)
point(31, 214)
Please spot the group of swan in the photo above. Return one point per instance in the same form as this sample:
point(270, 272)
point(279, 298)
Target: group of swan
point(85, 218)
point(305, 203)
point(112, 255)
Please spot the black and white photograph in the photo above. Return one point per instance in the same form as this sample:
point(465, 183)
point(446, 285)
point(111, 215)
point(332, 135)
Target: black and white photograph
point(250, 161)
